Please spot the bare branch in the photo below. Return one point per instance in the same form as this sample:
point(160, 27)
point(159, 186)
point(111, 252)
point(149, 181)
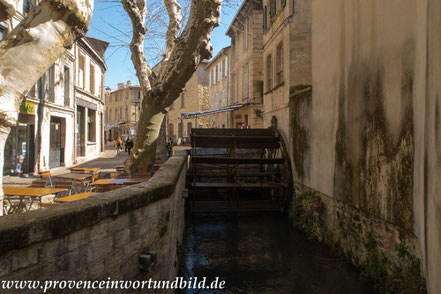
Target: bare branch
point(137, 13)
point(174, 25)
point(190, 48)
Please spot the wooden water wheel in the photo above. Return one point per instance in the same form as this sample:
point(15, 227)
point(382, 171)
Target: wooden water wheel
point(238, 170)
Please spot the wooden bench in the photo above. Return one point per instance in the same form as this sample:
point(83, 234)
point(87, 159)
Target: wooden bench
point(91, 185)
point(65, 185)
point(104, 188)
point(39, 183)
point(46, 174)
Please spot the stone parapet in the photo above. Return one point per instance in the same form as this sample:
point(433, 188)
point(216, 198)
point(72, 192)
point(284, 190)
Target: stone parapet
point(101, 236)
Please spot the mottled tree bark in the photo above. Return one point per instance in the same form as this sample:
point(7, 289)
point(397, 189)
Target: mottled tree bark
point(181, 59)
point(30, 49)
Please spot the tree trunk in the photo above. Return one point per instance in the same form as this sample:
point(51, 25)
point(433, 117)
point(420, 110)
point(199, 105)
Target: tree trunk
point(147, 134)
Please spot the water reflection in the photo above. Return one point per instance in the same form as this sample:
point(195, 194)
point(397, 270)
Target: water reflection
point(257, 253)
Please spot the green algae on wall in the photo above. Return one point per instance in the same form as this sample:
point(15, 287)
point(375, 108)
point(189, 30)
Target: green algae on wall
point(300, 114)
point(369, 243)
point(374, 165)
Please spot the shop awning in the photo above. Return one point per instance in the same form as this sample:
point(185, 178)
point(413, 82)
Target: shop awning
point(112, 125)
point(212, 111)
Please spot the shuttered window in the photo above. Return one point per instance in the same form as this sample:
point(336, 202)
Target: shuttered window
point(265, 12)
point(272, 9)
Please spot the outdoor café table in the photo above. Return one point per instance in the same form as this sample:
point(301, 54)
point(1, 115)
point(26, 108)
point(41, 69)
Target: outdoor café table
point(74, 177)
point(74, 197)
point(22, 193)
point(82, 179)
point(120, 167)
point(120, 181)
point(85, 169)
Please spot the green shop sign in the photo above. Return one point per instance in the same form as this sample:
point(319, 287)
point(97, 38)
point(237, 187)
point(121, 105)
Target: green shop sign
point(27, 107)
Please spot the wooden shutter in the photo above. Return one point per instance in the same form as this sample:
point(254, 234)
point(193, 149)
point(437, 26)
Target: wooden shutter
point(265, 12)
point(272, 9)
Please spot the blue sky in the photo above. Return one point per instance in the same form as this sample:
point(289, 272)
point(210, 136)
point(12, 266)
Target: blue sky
point(111, 23)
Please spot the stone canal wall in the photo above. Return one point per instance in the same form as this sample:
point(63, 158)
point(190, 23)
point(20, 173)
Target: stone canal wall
point(367, 138)
point(101, 236)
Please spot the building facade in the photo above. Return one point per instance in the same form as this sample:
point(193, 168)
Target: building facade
point(89, 97)
point(246, 65)
point(218, 90)
point(122, 111)
point(47, 130)
point(194, 98)
point(286, 57)
point(43, 136)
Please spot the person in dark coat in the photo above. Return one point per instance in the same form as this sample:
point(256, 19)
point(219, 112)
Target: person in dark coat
point(129, 144)
point(170, 147)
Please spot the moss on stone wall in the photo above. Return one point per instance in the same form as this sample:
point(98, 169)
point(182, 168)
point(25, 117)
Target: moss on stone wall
point(374, 164)
point(350, 232)
point(402, 277)
point(300, 112)
point(306, 213)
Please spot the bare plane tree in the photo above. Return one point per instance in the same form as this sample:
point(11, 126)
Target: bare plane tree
point(30, 49)
point(182, 56)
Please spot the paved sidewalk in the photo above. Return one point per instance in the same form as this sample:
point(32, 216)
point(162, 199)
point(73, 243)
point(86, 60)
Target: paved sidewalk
point(106, 162)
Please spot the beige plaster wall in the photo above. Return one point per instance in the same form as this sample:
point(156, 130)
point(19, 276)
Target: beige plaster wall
point(195, 96)
point(375, 123)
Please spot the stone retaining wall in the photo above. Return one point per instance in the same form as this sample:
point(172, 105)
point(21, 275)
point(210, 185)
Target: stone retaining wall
point(102, 236)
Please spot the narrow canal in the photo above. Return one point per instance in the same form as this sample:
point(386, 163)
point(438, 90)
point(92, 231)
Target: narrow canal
point(262, 253)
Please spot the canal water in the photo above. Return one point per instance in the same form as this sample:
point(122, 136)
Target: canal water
point(262, 253)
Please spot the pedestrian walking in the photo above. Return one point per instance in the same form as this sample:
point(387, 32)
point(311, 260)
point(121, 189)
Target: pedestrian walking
point(129, 144)
point(170, 147)
point(118, 145)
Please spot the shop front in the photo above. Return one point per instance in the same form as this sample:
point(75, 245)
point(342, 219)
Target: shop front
point(20, 146)
point(57, 141)
point(88, 129)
